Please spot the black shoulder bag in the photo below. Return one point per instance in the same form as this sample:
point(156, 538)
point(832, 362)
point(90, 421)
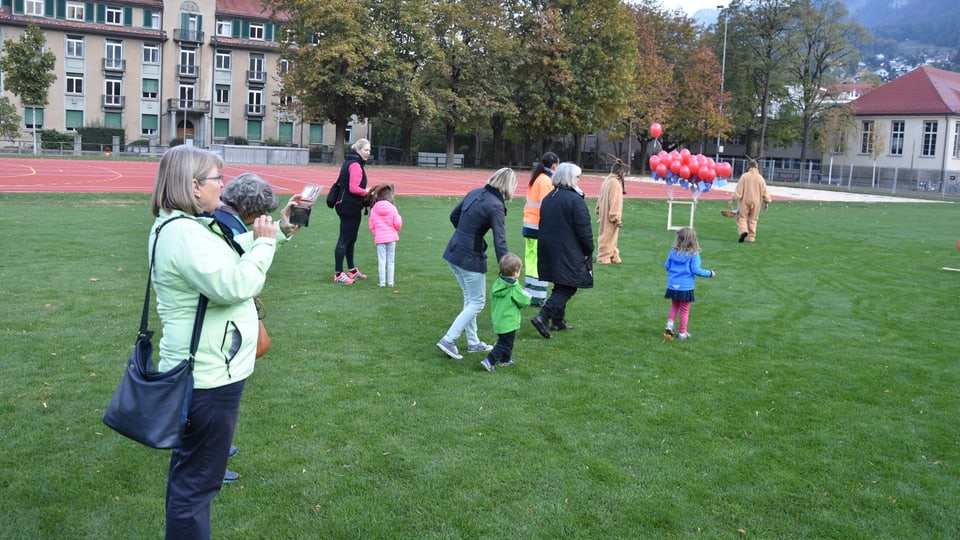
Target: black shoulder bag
point(150, 406)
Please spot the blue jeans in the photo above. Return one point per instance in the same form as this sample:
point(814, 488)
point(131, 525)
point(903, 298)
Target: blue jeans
point(474, 286)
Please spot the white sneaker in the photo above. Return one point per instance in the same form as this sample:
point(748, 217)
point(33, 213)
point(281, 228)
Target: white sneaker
point(449, 349)
point(479, 347)
point(684, 335)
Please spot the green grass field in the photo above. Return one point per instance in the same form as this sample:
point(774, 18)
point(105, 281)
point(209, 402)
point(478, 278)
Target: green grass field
point(816, 399)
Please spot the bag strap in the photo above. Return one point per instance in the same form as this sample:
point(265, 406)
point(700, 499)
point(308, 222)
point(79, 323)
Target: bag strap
point(201, 303)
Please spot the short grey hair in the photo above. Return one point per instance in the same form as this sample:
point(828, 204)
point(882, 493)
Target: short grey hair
point(249, 195)
point(567, 175)
point(179, 167)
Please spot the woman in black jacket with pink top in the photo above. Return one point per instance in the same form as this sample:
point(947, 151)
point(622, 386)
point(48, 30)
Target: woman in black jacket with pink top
point(353, 188)
point(565, 248)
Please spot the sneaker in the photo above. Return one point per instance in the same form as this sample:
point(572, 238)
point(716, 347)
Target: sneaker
point(449, 349)
point(507, 363)
point(342, 278)
point(669, 328)
point(487, 365)
point(684, 335)
point(355, 274)
point(230, 477)
point(479, 347)
point(233, 451)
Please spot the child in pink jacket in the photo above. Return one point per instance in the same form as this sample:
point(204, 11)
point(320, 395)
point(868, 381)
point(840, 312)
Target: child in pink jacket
point(385, 224)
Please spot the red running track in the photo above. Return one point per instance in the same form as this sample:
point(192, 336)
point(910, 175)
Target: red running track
point(28, 175)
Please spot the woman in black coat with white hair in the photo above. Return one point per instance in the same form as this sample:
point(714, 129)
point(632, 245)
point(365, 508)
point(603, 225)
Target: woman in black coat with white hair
point(565, 248)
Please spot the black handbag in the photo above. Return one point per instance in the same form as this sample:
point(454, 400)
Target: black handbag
point(151, 406)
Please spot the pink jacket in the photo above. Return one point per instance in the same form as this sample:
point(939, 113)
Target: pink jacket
point(385, 222)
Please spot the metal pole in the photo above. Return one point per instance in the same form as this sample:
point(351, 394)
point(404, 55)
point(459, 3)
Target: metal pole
point(723, 72)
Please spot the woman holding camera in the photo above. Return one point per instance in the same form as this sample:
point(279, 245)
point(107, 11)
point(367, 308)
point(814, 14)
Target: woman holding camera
point(193, 258)
point(353, 189)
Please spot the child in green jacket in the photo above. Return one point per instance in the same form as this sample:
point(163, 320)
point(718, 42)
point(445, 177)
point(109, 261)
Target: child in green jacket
point(507, 298)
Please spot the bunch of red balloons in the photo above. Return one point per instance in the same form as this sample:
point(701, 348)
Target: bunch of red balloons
point(694, 171)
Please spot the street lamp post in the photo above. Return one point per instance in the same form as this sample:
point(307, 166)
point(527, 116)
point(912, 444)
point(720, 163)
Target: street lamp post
point(723, 72)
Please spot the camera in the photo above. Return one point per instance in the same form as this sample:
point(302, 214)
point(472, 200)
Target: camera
point(300, 213)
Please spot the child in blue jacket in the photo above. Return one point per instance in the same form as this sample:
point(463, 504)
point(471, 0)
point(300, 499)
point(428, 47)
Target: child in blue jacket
point(682, 265)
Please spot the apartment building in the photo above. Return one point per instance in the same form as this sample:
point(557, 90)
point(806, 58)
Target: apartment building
point(206, 71)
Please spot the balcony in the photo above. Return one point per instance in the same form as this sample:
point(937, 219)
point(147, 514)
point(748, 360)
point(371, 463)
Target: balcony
point(255, 110)
point(114, 64)
point(188, 105)
point(188, 70)
point(111, 101)
point(186, 35)
point(256, 76)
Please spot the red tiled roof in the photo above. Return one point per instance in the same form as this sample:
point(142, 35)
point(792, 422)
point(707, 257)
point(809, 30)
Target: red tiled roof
point(253, 9)
point(925, 90)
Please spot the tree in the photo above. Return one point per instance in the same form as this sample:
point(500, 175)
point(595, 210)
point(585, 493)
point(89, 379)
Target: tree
point(821, 45)
point(9, 120)
point(28, 71)
point(697, 114)
point(340, 63)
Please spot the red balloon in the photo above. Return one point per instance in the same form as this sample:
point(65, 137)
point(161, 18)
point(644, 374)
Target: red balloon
point(662, 170)
point(711, 175)
point(654, 161)
point(655, 130)
point(685, 174)
point(724, 169)
point(675, 166)
point(703, 172)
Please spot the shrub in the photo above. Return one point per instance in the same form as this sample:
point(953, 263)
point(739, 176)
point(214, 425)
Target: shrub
point(176, 141)
point(51, 139)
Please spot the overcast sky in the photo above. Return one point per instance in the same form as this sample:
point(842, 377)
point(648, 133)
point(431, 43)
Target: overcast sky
point(692, 6)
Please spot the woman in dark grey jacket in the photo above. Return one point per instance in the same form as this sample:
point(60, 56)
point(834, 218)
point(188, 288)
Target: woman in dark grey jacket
point(565, 248)
point(483, 209)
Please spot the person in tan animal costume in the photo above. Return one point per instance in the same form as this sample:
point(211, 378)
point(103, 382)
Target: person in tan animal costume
point(610, 213)
point(751, 193)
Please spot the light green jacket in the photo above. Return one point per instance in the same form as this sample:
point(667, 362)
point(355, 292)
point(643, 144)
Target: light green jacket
point(192, 258)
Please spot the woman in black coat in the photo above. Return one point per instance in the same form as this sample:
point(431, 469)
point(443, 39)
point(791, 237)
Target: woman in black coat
point(353, 188)
point(565, 248)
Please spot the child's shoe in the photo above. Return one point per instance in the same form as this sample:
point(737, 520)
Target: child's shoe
point(342, 278)
point(668, 331)
point(507, 363)
point(355, 274)
point(487, 365)
point(684, 335)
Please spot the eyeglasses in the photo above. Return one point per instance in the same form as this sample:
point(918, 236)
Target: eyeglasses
point(214, 178)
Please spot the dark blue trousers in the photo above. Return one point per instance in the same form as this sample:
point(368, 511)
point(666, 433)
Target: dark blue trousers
point(503, 350)
point(196, 468)
point(555, 308)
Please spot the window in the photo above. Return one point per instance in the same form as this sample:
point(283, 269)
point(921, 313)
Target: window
point(897, 128)
point(256, 31)
point(222, 94)
point(75, 46)
point(114, 54)
point(254, 130)
point(285, 101)
point(113, 120)
point(151, 89)
point(74, 11)
point(151, 53)
point(113, 92)
point(929, 146)
point(188, 62)
point(256, 72)
point(149, 124)
point(840, 143)
point(956, 140)
point(224, 28)
point(33, 7)
point(255, 101)
point(286, 132)
point(33, 117)
point(221, 128)
point(74, 82)
point(866, 137)
point(348, 133)
point(316, 134)
point(284, 66)
point(74, 120)
point(114, 16)
point(155, 20)
point(223, 60)
point(186, 93)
